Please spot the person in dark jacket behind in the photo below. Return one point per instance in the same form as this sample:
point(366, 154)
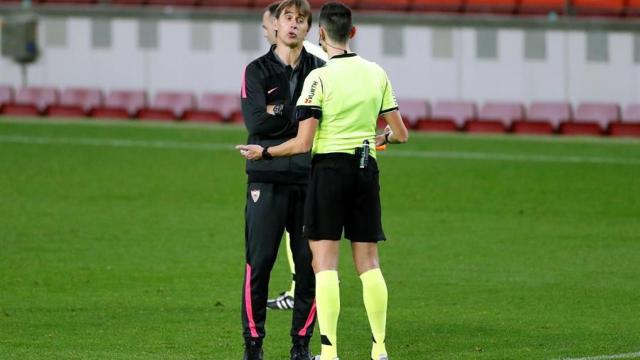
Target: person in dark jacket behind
point(276, 188)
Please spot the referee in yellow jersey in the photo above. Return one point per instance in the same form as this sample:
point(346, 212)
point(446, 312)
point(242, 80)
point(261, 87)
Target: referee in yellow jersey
point(338, 111)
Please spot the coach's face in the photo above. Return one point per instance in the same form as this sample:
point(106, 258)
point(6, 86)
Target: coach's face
point(292, 27)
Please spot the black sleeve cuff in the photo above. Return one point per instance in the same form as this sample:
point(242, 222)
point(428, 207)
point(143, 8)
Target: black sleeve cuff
point(306, 112)
point(388, 110)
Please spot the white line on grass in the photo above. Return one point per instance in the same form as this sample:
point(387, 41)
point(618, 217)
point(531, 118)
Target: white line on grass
point(129, 143)
point(607, 357)
point(604, 140)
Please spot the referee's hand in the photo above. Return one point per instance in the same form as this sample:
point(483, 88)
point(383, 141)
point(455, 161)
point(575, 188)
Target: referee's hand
point(250, 152)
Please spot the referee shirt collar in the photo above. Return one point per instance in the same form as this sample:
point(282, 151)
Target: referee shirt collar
point(348, 55)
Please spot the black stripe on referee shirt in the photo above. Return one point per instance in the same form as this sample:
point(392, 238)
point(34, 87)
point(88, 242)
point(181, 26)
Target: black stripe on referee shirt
point(389, 110)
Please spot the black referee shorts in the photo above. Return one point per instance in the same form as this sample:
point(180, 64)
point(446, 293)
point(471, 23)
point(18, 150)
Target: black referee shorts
point(341, 196)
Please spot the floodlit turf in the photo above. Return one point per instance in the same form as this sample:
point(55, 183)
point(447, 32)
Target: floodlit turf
point(125, 241)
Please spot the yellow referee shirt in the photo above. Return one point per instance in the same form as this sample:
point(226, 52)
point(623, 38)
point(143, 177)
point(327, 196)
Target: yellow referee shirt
point(346, 95)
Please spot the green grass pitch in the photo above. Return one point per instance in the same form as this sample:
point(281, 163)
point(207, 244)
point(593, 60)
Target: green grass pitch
point(125, 241)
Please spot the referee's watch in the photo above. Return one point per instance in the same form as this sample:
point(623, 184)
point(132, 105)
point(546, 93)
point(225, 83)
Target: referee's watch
point(265, 153)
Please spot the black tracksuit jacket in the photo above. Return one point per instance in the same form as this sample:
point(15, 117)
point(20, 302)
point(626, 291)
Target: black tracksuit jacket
point(266, 82)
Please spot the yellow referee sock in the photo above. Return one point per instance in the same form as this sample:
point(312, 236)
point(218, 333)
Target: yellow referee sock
point(374, 293)
point(328, 307)
point(292, 266)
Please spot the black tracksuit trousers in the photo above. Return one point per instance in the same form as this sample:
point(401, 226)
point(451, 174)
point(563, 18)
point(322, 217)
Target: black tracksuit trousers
point(270, 209)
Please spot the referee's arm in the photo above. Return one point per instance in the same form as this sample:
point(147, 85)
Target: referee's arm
point(302, 143)
point(395, 132)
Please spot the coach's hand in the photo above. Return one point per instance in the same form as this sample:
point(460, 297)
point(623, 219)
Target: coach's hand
point(251, 152)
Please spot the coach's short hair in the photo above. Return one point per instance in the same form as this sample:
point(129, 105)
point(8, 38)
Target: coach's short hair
point(303, 8)
point(335, 18)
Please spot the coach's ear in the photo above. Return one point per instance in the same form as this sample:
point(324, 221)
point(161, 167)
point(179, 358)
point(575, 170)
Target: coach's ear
point(352, 32)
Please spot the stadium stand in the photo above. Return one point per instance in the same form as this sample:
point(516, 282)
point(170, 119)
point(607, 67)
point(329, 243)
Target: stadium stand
point(351, 3)
point(543, 118)
point(227, 3)
point(495, 117)
point(128, 2)
point(615, 8)
point(236, 117)
point(491, 6)
point(629, 124)
point(633, 8)
point(414, 110)
point(121, 104)
point(77, 102)
point(437, 5)
point(70, 2)
point(591, 119)
point(6, 96)
point(173, 2)
point(316, 4)
point(168, 105)
point(395, 5)
point(448, 116)
point(530, 7)
point(599, 7)
point(32, 101)
point(214, 108)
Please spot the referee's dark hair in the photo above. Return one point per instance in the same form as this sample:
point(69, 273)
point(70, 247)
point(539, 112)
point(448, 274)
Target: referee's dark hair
point(335, 18)
point(303, 8)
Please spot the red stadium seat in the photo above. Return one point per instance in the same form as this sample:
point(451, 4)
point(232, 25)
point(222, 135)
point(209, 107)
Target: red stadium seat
point(32, 101)
point(448, 116)
point(77, 103)
point(6, 96)
point(542, 6)
point(592, 119)
point(316, 4)
point(168, 105)
point(491, 6)
point(437, 5)
point(543, 118)
point(236, 118)
point(173, 2)
point(350, 3)
point(121, 104)
point(629, 124)
point(633, 8)
point(599, 7)
point(71, 2)
point(496, 117)
point(227, 3)
point(414, 110)
point(214, 107)
point(396, 5)
point(128, 2)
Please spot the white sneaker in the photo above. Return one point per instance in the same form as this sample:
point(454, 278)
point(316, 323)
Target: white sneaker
point(383, 357)
point(284, 301)
point(317, 357)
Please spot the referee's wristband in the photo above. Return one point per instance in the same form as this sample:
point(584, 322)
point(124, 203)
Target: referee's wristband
point(265, 153)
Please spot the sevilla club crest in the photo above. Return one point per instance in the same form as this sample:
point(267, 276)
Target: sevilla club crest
point(255, 195)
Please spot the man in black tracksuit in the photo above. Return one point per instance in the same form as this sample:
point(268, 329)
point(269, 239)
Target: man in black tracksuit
point(277, 188)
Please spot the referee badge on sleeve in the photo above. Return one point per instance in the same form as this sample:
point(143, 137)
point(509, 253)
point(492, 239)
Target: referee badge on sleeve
point(255, 195)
